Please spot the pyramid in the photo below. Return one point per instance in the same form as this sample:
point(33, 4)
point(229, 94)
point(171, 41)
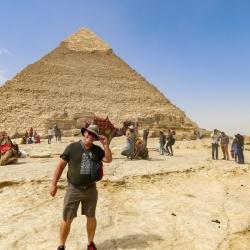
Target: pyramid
point(83, 74)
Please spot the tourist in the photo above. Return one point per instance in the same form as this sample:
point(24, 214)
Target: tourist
point(240, 148)
point(31, 132)
point(57, 132)
point(131, 139)
point(162, 141)
point(37, 138)
point(29, 140)
point(49, 135)
point(34, 134)
point(170, 142)
point(224, 141)
point(79, 156)
point(234, 149)
point(26, 135)
point(215, 144)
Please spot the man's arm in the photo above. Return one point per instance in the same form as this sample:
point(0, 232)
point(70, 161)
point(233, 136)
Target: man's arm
point(107, 152)
point(56, 176)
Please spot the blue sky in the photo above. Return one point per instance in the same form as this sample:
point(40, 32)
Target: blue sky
point(196, 52)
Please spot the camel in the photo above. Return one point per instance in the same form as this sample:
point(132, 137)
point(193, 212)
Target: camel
point(110, 131)
point(8, 154)
point(107, 128)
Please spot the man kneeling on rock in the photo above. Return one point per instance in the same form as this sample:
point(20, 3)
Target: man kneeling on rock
point(81, 188)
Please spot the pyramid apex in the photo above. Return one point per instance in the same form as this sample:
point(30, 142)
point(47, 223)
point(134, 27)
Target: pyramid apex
point(85, 40)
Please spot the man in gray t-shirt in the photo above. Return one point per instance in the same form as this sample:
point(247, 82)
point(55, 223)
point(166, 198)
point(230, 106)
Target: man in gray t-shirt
point(81, 189)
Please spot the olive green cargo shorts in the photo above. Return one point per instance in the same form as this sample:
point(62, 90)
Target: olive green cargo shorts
point(88, 198)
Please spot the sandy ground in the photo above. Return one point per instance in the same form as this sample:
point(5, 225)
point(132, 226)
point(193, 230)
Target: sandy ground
point(184, 202)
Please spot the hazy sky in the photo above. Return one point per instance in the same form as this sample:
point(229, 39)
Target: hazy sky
point(196, 52)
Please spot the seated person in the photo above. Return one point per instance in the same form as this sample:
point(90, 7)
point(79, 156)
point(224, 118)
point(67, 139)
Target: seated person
point(29, 140)
point(37, 139)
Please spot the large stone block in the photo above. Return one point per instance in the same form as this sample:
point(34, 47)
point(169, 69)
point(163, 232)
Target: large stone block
point(84, 114)
point(63, 124)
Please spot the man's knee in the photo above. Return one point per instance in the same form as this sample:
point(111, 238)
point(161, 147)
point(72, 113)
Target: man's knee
point(91, 219)
point(67, 222)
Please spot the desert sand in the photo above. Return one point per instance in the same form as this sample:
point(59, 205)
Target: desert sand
point(184, 202)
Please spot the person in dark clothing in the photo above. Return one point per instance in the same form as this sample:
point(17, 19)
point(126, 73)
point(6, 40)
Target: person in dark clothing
point(145, 137)
point(240, 148)
point(162, 141)
point(81, 188)
point(234, 149)
point(57, 132)
point(170, 142)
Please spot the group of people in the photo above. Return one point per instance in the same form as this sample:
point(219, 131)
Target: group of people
point(30, 137)
point(221, 139)
point(56, 131)
point(9, 151)
point(166, 142)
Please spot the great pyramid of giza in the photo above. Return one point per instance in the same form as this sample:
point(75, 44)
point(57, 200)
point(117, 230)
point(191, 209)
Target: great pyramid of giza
point(82, 75)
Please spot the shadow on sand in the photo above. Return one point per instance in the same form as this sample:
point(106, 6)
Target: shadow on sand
point(135, 241)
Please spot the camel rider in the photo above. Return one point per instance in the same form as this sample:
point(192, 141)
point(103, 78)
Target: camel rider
point(131, 137)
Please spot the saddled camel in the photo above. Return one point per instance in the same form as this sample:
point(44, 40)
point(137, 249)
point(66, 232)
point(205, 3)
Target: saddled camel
point(107, 128)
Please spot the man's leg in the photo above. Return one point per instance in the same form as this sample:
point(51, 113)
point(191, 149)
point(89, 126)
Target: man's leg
point(161, 149)
point(226, 152)
point(213, 151)
point(167, 150)
point(216, 151)
point(171, 149)
point(223, 151)
point(240, 156)
point(64, 231)
point(91, 227)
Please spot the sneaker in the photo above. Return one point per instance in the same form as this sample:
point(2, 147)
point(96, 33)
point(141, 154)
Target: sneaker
point(91, 246)
point(61, 248)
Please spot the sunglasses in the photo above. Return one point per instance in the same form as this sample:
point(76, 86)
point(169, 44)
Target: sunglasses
point(92, 134)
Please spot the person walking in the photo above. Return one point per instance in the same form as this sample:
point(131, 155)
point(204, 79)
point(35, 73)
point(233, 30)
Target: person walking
point(234, 149)
point(162, 141)
point(57, 133)
point(215, 144)
point(170, 142)
point(49, 135)
point(224, 141)
point(79, 157)
point(240, 148)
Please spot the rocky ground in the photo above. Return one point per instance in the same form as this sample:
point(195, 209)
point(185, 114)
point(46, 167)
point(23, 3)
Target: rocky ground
point(184, 202)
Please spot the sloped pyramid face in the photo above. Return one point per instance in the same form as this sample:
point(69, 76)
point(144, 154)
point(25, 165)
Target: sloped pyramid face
point(83, 74)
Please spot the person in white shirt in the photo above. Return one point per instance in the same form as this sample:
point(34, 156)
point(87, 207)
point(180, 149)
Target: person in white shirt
point(215, 137)
point(49, 135)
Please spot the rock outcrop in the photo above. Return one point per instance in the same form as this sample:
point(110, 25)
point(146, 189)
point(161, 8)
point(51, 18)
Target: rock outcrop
point(83, 74)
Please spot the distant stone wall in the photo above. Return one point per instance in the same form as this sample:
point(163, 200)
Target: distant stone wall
point(82, 118)
point(69, 126)
point(163, 121)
